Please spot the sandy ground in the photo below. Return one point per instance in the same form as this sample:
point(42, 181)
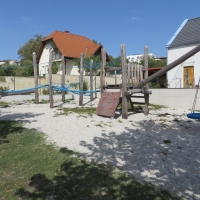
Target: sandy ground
point(161, 148)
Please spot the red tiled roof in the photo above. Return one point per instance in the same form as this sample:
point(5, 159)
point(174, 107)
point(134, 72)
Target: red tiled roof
point(71, 45)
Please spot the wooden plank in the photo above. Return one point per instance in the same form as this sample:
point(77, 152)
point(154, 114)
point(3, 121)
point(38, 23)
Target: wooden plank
point(142, 97)
point(141, 73)
point(146, 87)
point(140, 103)
point(124, 78)
point(81, 80)
point(138, 74)
point(63, 77)
point(50, 79)
point(35, 78)
point(131, 74)
point(91, 79)
point(128, 76)
point(108, 103)
point(135, 74)
point(108, 68)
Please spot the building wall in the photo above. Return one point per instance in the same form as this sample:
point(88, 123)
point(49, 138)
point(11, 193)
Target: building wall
point(71, 68)
point(175, 75)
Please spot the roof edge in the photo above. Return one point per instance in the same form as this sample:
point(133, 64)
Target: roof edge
point(176, 33)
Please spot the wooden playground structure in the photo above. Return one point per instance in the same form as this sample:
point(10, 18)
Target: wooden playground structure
point(134, 81)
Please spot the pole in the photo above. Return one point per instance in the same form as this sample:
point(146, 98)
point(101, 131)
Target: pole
point(50, 79)
point(146, 87)
point(124, 81)
point(91, 80)
point(35, 78)
point(63, 78)
point(81, 80)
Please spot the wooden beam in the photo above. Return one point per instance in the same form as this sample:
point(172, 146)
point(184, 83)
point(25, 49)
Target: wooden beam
point(146, 87)
point(35, 78)
point(129, 75)
point(108, 68)
point(91, 80)
point(63, 77)
point(81, 80)
point(50, 79)
point(103, 72)
point(124, 79)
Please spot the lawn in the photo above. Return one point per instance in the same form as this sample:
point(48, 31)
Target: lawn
point(31, 169)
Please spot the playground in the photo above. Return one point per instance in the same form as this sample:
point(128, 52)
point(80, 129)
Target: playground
point(153, 144)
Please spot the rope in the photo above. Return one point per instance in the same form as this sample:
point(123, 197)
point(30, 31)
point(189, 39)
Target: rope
point(25, 90)
point(195, 98)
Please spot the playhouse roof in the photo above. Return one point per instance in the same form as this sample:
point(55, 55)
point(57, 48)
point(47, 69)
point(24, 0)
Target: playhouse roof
point(71, 45)
point(187, 34)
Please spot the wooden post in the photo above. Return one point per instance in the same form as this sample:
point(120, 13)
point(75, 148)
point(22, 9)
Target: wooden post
point(124, 79)
point(115, 77)
point(103, 73)
point(91, 80)
point(35, 78)
point(50, 79)
point(81, 80)
point(129, 75)
point(141, 73)
point(63, 78)
point(135, 74)
point(138, 74)
point(146, 87)
point(95, 86)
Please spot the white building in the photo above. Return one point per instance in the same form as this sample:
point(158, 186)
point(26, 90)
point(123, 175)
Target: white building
point(185, 39)
point(137, 57)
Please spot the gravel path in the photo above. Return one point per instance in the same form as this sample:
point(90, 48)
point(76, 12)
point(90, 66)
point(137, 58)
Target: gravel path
point(161, 148)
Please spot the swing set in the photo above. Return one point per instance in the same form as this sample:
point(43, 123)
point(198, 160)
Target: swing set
point(193, 114)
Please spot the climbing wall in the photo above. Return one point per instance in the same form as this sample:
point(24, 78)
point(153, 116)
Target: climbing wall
point(108, 103)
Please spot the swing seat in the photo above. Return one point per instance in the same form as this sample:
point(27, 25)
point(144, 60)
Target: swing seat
point(193, 115)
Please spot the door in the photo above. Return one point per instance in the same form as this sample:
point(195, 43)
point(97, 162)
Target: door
point(188, 76)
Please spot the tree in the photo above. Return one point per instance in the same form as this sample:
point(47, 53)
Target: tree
point(152, 62)
point(25, 51)
point(54, 68)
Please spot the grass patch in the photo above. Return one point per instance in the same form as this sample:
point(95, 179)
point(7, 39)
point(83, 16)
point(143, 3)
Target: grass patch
point(2, 103)
point(81, 111)
point(156, 107)
point(31, 169)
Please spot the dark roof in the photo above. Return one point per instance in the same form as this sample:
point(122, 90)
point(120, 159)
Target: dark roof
point(187, 34)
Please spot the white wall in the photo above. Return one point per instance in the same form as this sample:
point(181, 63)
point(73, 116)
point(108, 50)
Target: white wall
point(44, 60)
point(176, 73)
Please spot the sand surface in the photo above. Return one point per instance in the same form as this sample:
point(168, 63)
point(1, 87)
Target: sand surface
point(162, 148)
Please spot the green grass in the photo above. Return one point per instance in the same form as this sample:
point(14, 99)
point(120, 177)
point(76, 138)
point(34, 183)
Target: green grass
point(30, 169)
point(2, 103)
point(156, 107)
point(81, 111)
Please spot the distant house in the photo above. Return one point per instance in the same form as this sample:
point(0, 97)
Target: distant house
point(187, 37)
point(137, 57)
point(67, 44)
point(10, 62)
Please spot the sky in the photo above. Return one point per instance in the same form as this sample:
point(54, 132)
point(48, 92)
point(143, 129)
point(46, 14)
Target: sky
point(135, 23)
